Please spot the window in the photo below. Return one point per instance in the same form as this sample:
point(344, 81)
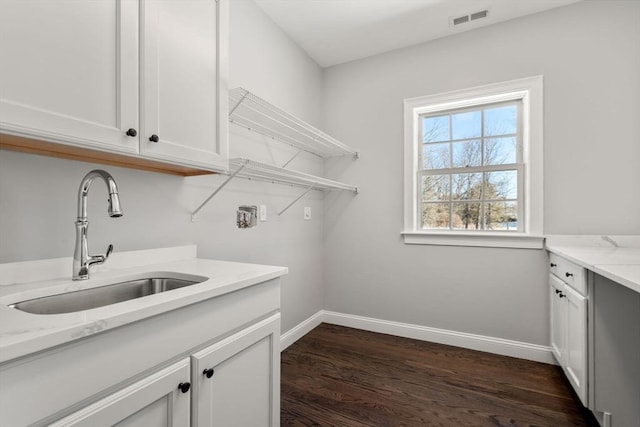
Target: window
point(473, 166)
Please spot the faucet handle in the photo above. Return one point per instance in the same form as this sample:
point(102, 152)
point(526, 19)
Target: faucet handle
point(109, 250)
point(99, 259)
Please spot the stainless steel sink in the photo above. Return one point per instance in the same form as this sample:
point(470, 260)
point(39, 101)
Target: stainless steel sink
point(103, 295)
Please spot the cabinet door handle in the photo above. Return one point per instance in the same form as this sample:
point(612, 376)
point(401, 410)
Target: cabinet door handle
point(184, 387)
point(208, 372)
point(132, 132)
point(558, 291)
point(562, 295)
point(553, 265)
point(568, 274)
point(154, 138)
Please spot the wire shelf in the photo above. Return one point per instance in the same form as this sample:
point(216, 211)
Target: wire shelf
point(252, 169)
point(250, 111)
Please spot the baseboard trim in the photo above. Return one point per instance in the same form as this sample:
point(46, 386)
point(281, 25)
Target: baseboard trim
point(534, 352)
point(300, 330)
point(522, 350)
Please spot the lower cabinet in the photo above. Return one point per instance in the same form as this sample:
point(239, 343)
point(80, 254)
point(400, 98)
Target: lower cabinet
point(568, 308)
point(154, 401)
point(212, 363)
point(237, 381)
point(575, 364)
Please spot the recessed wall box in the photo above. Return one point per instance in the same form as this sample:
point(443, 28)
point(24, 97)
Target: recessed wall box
point(247, 216)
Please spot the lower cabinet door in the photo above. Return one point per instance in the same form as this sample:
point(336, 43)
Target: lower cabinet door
point(557, 305)
point(153, 402)
point(237, 381)
point(576, 344)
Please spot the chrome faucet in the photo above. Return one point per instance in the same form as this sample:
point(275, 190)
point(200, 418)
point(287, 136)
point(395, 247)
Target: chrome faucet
point(81, 258)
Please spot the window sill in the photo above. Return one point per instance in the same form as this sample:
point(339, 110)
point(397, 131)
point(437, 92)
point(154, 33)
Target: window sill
point(472, 239)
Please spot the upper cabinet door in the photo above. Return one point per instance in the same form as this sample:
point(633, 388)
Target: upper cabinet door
point(184, 83)
point(69, 72)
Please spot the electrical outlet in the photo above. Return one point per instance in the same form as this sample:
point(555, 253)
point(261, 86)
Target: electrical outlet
point(307, 212)
point(262, 213)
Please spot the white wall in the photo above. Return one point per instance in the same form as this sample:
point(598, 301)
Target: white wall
point(38, 194)
point(588, 54)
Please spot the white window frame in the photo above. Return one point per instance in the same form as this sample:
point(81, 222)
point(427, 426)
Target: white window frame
point(529, 91)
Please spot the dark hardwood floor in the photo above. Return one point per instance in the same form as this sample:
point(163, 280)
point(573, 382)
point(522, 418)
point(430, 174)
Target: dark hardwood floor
point(337, 376)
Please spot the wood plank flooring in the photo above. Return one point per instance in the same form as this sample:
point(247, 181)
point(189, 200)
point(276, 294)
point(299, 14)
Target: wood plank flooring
point(337, 376)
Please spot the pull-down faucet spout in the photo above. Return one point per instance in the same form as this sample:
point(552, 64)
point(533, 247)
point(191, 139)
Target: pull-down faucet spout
point(81, 258)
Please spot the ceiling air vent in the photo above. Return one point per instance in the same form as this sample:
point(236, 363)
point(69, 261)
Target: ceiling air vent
point(470, 17)
point(479, 15)
point(461, 20)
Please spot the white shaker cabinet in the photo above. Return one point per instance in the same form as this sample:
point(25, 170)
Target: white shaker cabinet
point(143, 79)
point(69, 72)
point(135, 374)
point(184, 95)
point(154, 401)
point(237, 381)
point(576, 344)
point(568, 307)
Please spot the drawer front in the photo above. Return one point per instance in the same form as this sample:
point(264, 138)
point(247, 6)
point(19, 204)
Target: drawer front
point(554, 261)
point(570, 273)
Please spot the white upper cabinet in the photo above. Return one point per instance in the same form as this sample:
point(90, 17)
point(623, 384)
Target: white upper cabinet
point(184, 96)
point(117, 75)
point(70, 72)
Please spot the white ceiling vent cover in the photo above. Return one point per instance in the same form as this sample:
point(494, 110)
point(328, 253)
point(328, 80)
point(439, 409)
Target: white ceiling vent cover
point(468, 18)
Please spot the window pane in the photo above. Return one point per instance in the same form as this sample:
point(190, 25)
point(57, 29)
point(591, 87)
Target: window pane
point(500, 151)
point(467, 125)
point(466, 216)
point(435, 187)
point(466, 186)
point(467, 153)
point(436, 156)
point(501, 120)
point(435, 215)
point(501, 216)
point(435, 129)
point(501, 185)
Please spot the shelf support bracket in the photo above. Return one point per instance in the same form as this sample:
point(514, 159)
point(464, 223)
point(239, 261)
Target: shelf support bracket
point(311, 187)
point(233, 175)
point(291, 159)
point(237, 105)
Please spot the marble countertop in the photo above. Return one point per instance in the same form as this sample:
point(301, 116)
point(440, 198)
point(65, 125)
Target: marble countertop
point(24, 333)
point(614, 257)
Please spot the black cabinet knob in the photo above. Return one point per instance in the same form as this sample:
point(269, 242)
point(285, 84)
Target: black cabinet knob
point(568, 274)
point(558, 291)
point(184, 387)
point(132, 132)
point(208, 372)
point(553, 265)
point(154, 138)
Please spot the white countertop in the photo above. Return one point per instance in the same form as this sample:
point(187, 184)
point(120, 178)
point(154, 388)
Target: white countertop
point(24, 333)
point(614, 257)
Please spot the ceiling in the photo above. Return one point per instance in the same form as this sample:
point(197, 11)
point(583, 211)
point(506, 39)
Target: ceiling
point(337, 31)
